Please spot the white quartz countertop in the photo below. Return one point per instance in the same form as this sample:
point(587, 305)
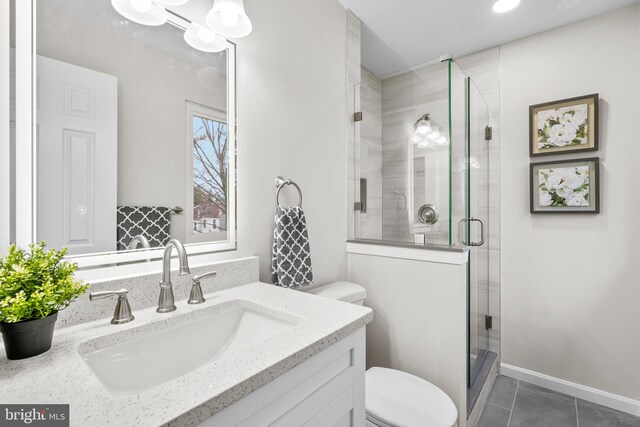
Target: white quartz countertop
point(61, 376)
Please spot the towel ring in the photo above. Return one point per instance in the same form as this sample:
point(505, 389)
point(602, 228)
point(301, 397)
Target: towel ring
point(281, 183)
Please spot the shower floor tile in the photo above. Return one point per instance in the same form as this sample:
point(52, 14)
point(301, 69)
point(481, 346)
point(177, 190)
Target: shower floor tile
point(514, 403)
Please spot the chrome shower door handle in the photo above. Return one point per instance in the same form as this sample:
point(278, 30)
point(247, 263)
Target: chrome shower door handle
point(462, 232)
point(481, 242)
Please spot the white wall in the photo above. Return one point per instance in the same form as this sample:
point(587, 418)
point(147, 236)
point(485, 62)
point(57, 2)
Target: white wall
point(292, 121)
point(571, 283)
point(419, 323)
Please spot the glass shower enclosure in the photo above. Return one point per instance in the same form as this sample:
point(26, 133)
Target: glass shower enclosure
point(421, 176)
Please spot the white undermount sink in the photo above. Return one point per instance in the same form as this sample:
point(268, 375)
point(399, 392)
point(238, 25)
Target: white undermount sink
point(147, 357)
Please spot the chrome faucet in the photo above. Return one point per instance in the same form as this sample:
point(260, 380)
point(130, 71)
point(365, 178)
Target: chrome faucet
point(166, 302)
point(139, 240)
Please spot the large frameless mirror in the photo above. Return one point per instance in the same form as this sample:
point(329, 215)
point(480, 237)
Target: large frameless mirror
point(134, 135)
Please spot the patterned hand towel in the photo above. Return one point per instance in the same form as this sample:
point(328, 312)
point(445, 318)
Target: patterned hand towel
point(153, 222)
point(291, 257)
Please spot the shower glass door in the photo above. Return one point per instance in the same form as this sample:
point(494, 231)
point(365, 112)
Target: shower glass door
point(474, 232)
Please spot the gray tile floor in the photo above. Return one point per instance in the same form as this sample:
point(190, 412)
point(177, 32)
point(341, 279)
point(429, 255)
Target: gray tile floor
point(514, 403)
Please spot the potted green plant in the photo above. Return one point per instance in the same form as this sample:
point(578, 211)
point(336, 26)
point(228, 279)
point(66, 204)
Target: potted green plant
point(34, 286)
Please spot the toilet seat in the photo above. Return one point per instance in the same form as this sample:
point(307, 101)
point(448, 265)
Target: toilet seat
point(395, 398)
point(374, 422)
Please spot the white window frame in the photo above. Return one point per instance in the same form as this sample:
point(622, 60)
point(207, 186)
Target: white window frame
point(5, 131)
point(26, 210)
point(196, 110)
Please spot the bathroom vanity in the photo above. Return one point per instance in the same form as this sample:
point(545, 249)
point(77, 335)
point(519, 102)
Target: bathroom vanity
point(251, 355)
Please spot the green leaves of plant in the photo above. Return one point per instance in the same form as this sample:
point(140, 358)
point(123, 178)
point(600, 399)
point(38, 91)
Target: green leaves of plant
point(35, 283)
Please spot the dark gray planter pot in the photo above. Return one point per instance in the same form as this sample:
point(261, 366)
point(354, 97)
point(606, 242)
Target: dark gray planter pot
point(28, 338)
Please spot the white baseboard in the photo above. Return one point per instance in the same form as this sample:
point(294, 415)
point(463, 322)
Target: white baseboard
point(589, 394)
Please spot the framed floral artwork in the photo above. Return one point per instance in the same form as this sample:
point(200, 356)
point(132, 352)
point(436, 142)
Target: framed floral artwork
point(565, 186)
point(565, 126)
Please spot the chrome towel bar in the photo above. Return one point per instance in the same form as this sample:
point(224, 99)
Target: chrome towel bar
point(281, 183)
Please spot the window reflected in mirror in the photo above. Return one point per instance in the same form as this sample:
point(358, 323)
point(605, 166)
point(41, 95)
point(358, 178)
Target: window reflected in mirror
point(210, 154)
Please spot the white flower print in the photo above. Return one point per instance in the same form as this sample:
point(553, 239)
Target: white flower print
point(563, 127)
point(564, 186)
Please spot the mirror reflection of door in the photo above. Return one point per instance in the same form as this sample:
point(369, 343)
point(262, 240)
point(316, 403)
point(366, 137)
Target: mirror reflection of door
point(77, 149)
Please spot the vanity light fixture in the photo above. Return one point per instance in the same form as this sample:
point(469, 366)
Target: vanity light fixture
point(172, 2)
point(228, 18)
point(203, 39)
point(426, 134)
point(434, 134)
point(143, 12)
point(502, 6)
point(423, 126)
point(441, 140)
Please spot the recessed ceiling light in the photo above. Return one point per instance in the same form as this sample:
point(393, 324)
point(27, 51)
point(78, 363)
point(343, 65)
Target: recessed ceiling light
point(502, 6)
point(568, 4)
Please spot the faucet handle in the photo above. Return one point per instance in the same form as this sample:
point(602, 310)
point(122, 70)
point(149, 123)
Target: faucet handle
point(107, 294)
point(122, 313)
point(196, 296)
point(202, 276)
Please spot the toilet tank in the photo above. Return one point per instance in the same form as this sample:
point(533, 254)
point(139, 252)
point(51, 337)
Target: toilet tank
point(342, 291)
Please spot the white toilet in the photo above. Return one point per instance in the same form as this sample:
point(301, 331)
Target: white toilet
point(395, 398)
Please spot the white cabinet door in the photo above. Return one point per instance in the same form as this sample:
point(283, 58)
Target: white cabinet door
point(323, 391)
point(77, 135)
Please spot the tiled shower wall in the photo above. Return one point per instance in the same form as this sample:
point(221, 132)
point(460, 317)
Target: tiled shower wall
point(405, 98)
